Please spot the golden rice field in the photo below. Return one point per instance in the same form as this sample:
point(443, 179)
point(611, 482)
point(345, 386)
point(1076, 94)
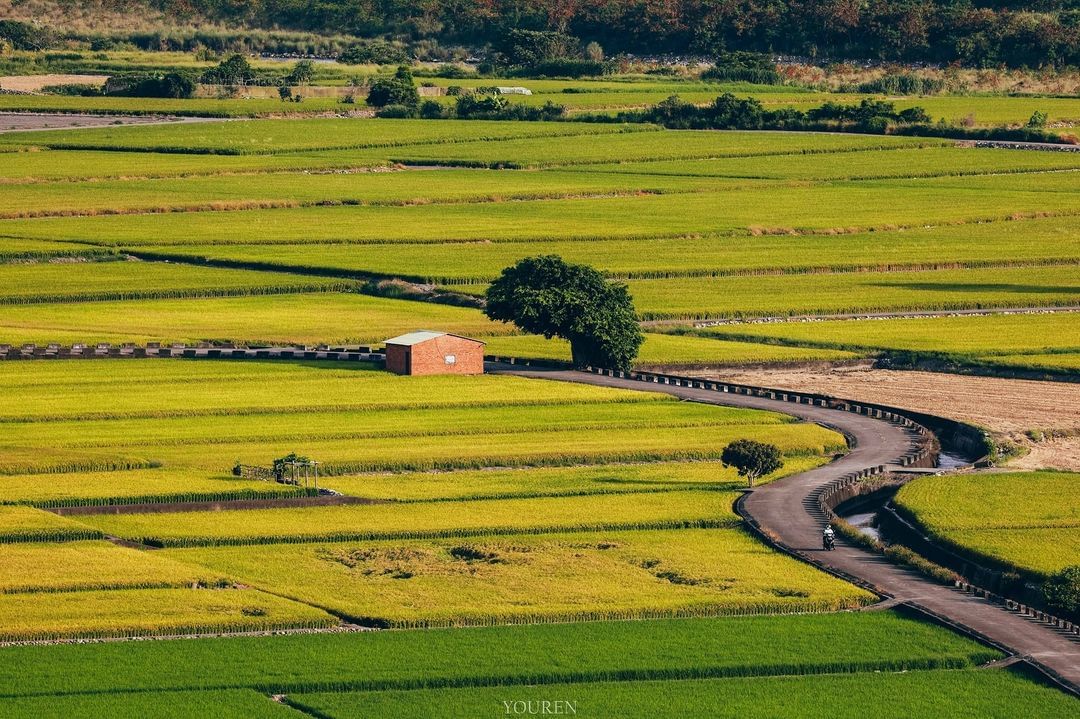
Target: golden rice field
point(149, 612)
point(591, 460)
point(468, 518)
point(493, 580)
point(490, 500)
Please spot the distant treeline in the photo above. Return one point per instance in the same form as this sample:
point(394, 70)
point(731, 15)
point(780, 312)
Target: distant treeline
point(974, 32)
point(876, 117)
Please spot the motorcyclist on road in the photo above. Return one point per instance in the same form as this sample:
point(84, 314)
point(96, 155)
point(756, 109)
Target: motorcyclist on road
point(828, 537)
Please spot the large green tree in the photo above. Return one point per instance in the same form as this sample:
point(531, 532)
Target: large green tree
point(551, 297)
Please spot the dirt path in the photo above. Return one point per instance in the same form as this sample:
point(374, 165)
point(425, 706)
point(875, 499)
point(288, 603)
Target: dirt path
point(32, 121)
point(34, 83)
point(785, 509)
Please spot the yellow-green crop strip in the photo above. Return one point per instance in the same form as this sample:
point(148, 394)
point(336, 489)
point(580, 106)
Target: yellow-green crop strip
point(999, 334)
point(555, 481)
point(270, 136)
point(493, 580)
point(52, 282)
point(150, 612)
point(1025, 242)
point(1019, 520)
point(91, 565)
point(133, 486)
point(838, 207)
point(27, 524)
point(110, 389)
point(544, 515)
point(750, 296)
point(899, 162)
point(273, 319)
point(279, 189)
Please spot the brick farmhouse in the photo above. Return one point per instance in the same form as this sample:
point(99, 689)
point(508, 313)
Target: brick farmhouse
point(425, 352)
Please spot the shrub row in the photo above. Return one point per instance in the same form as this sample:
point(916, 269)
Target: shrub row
point(66, 534)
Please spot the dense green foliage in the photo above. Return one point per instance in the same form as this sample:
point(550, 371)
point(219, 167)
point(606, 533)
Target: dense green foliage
point(175, 85)
point(397, 90)
point(1062, 590)
point(984, 35)
point(871, 116)
point(547, 296)
point(752, 459)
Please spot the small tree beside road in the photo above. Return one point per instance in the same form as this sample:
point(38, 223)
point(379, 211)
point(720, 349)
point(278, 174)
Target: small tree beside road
point(551, 297)
point(1062, 590)
point(752, 459)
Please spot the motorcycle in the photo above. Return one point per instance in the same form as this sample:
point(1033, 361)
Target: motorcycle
point(828, 542)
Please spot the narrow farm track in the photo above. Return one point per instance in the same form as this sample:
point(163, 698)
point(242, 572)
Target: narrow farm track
point(786, 509)
point(34, 121)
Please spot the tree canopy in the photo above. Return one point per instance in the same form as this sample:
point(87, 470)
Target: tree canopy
point(233, 70)
point(752, 459)
point(1062, 590)
point(986, 33)
point(548, 296)
point(396, 90)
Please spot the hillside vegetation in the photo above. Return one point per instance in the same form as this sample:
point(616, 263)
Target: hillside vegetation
point(1030, 34)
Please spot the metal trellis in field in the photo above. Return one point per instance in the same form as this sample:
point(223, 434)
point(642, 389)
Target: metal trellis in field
point(300, 472)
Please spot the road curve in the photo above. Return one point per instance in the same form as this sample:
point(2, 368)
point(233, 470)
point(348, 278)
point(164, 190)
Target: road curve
point(786, 511)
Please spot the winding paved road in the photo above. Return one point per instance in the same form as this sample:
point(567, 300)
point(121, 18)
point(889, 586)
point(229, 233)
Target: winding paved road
point(785, 509)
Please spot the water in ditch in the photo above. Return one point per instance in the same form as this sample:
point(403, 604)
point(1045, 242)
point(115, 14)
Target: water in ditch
point(863, 521)
point(947, 460)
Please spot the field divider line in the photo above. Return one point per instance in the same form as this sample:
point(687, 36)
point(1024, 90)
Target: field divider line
point(581, 130)
point(868, 315)
point(167, 542)
point(285, 204)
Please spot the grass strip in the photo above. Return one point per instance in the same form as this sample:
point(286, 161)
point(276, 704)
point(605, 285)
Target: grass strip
point(967, 693)
point(502, 656)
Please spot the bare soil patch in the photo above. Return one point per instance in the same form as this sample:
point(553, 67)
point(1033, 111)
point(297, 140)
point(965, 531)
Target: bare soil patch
point(1059, 453)
point(1007, 407)
point(23, 121)
point(34, 83)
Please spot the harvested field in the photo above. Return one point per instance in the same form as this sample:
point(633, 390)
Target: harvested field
point(1008, 407)
point(23, 121)
point(34, 83)
point(1054, 453)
